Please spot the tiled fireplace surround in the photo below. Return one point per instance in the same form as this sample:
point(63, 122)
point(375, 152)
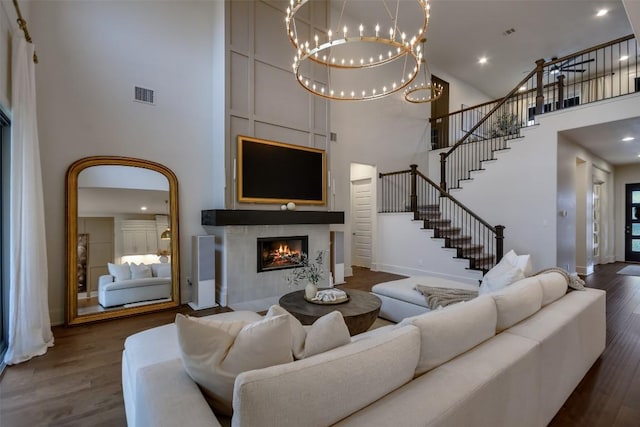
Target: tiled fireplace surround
point(238, 282)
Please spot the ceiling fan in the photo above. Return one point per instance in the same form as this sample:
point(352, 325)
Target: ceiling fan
point(568, 66)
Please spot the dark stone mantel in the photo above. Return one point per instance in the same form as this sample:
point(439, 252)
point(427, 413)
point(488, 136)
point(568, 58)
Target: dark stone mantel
point(224, 217)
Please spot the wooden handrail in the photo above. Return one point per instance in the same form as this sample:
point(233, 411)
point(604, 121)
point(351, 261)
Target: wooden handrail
point(443, 193)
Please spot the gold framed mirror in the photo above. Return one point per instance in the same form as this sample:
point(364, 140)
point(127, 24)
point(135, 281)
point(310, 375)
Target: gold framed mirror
point(122, 238)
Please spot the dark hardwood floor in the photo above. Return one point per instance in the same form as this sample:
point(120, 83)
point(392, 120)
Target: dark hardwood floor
point(77, 383)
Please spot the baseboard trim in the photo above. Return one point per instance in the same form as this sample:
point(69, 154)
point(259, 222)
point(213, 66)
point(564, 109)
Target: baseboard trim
point(473, 277)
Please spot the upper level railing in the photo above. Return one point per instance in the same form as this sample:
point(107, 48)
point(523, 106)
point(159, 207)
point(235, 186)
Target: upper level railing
point(473, 134)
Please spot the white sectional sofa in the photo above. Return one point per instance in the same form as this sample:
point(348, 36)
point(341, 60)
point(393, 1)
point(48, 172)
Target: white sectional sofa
point(503, 359)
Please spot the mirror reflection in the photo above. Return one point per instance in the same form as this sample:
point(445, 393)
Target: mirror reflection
point(123, 258)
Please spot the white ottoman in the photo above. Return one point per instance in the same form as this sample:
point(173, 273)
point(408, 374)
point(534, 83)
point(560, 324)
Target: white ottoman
point(400, 299)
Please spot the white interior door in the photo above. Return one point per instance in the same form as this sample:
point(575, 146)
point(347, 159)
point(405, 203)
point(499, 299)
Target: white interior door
point(361, 222)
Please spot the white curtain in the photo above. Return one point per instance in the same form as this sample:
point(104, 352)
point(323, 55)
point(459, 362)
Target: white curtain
point(29, 331)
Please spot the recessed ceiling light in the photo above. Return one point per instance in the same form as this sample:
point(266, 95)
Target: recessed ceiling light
point(482, 60)
point(602, 12)
point(624, 57)
point(638, 155)
point(143, 208)
point(628, 138)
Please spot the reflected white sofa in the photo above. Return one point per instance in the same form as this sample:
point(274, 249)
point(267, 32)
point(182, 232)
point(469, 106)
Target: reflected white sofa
point(113, 292)
point(503, 359)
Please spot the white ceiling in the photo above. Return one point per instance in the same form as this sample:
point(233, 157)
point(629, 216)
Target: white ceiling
point(462, 31)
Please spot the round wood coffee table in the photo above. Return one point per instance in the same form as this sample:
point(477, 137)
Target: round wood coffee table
point(359, 312)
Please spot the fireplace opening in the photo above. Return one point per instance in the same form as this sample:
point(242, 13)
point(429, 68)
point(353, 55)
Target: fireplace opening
point(277, 253)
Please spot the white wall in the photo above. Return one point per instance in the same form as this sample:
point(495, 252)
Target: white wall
point(388, 133)
point(406, 248)
point(91, 55)
point(624, 174)
point(577, 170)
point(520, 189)
point(264, 100)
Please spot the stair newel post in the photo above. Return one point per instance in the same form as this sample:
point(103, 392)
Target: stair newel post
point(443, 170)
point(413, 197)
point(499, 242)
point(539, 86)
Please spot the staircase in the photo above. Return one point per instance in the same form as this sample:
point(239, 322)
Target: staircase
point(458, 227)
point(456, 238)
point(489, 128)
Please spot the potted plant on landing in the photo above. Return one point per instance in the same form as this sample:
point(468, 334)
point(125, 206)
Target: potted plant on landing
point(310, 271)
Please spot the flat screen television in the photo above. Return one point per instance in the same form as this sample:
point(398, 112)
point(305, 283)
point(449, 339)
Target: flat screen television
point(275, 172)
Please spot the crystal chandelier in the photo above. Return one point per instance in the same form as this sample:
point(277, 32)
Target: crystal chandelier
point(423, 91)
point(367, 62)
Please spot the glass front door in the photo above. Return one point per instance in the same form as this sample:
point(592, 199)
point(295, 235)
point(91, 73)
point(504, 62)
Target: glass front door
point(632, 223)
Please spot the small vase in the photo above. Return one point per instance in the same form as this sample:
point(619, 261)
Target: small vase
point(310, 290)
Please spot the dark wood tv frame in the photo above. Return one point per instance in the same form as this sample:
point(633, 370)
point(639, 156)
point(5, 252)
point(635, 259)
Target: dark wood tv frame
point(246, 199)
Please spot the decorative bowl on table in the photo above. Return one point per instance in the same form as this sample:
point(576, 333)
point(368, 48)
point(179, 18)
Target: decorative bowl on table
point(329, 296)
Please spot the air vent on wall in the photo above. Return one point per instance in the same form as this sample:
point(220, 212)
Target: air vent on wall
point(144, 95)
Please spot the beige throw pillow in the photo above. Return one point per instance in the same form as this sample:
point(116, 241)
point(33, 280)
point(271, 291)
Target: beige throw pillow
point(215, 352)
point(326, 333)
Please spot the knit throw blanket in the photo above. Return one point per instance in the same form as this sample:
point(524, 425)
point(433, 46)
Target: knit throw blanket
point(442, 297)
point(573, 280)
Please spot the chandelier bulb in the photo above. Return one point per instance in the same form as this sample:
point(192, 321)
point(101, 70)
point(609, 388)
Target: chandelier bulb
point(361, 29)
point(344, 31)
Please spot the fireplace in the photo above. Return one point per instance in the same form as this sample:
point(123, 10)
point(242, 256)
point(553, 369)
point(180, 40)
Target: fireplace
point(277, 253)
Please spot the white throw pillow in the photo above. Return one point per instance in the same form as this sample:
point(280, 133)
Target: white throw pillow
point(500, 276)
point(326, 333)
point(215, 352)
point(119, 271)
point(523, 262)
point(162, 270)
point(140, 271)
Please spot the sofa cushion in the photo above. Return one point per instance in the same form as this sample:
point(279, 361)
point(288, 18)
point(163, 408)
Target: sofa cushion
point(214, 352)
point(311, 392)
point(571, 333)
point(119, 271)
point(327, 332)
point(446, 333)
point(517, 302)
point(166, 397)
point(494, 385)
point(554, 286)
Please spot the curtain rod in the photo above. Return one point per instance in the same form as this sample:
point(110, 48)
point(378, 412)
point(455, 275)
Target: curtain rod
point(23, 26)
